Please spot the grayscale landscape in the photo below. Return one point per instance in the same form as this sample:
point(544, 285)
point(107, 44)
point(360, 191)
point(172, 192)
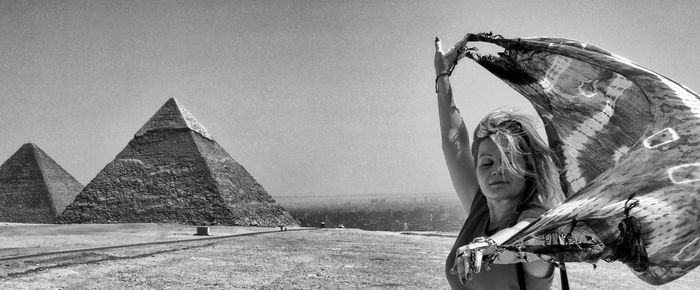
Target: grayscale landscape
point(315, 159)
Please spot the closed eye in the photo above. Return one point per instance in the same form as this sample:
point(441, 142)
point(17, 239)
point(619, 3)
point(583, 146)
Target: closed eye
point(486, 162)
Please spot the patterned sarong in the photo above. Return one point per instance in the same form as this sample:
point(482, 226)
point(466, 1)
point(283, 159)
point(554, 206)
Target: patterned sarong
point(628, 141)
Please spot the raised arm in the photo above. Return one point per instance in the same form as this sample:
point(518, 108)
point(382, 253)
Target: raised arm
point(455, 138)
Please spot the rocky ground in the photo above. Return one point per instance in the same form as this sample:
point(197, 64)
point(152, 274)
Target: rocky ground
point(169, 256)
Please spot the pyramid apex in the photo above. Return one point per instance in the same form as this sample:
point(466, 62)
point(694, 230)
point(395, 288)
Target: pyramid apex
point(28, 146)
point(34, 150)
point(173, 100)
point(173, 115)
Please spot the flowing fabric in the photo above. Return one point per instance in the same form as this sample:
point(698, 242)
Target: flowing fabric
point(628, 142)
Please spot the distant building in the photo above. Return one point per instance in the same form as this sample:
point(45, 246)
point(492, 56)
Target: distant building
point(174, 171)
point(34, 188)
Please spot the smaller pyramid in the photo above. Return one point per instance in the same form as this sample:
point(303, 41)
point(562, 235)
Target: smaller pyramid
point(34, 188)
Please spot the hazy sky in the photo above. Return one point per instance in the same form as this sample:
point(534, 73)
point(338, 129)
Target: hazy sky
point(311, 97)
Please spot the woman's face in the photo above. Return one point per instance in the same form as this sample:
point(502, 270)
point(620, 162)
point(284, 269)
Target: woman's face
point(496, 182)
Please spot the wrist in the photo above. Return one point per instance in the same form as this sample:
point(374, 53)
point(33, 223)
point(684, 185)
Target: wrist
point(441, 75)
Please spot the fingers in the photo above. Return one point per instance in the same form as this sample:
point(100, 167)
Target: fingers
point(454, 53)
point(468, 261)
point(463, 41)
point(454, 270)
point(461, 52)
point(467, 267)
point(462, 264)
point(461, 47)
point(461, 269)
point(458, 267)
point(478, 257)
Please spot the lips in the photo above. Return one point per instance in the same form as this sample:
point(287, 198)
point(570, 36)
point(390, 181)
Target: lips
point(499, 182)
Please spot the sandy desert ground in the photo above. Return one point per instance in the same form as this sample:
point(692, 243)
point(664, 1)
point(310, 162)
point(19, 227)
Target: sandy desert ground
point(158, 256)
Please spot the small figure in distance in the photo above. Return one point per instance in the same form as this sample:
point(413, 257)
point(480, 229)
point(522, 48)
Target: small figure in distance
point(323, 225)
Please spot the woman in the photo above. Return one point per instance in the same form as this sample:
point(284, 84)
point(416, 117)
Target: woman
point(504, 183)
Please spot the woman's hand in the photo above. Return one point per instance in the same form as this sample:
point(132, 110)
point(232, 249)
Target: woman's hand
point(446, 60)
point(469, 257)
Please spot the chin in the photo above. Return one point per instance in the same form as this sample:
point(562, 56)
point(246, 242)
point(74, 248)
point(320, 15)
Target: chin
point(501, 194)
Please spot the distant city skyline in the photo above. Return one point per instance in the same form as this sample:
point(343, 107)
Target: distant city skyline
point(311, 97)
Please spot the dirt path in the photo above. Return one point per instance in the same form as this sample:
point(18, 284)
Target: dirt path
point(155, 243)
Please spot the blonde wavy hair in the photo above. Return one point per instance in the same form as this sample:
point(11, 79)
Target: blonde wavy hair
point(515, 135)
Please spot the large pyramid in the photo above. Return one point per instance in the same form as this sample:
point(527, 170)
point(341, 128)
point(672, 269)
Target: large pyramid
point(34, 188)
point(173, 171)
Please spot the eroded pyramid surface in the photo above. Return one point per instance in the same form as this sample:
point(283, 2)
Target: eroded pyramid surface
point(173, 171)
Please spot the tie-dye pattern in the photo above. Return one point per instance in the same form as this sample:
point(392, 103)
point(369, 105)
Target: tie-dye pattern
point(620, 130)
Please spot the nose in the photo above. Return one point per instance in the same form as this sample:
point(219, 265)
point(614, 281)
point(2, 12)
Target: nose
point(497, 171)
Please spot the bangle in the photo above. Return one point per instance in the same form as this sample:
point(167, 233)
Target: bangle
point(442, 74)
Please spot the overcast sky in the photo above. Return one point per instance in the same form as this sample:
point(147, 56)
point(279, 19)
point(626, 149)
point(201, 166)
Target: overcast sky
point(311, 97)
